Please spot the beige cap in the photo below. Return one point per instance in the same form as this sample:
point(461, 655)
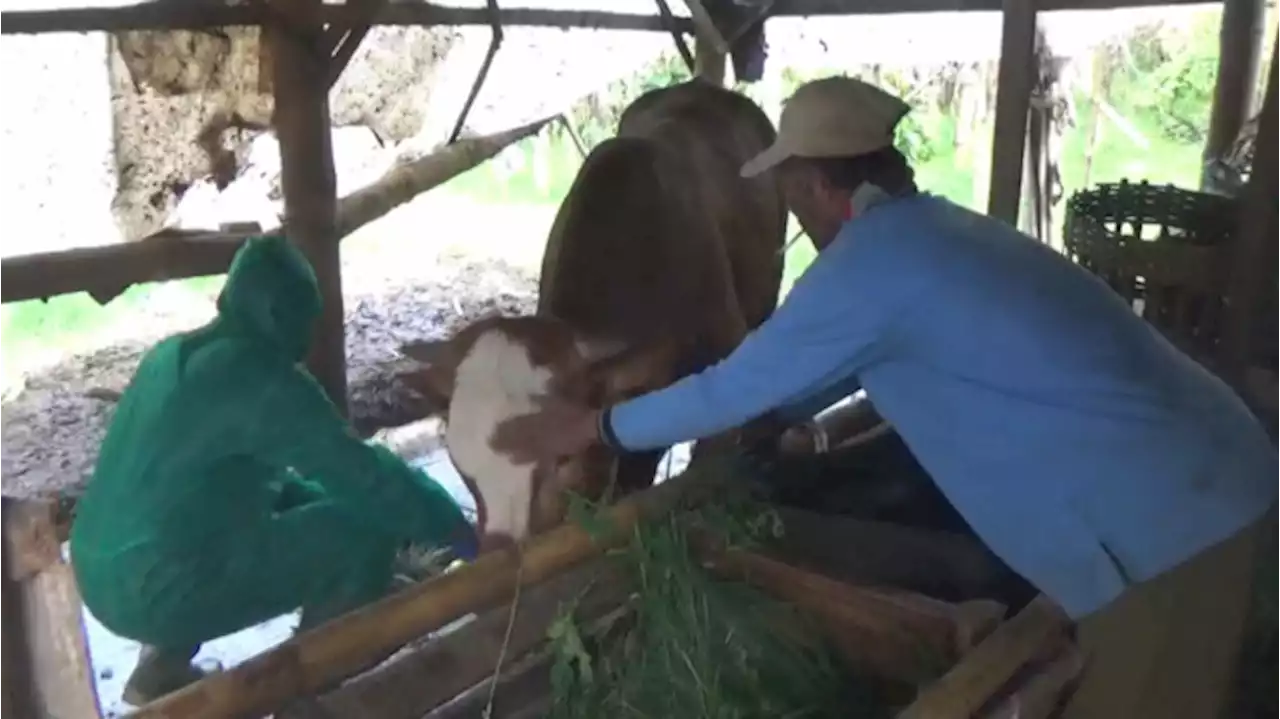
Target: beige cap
point(832, 117)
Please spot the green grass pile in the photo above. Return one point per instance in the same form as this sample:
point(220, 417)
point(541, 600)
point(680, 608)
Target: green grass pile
point(697, 647)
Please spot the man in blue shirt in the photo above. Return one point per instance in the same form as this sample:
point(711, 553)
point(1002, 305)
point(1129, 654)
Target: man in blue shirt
point(1109, 469)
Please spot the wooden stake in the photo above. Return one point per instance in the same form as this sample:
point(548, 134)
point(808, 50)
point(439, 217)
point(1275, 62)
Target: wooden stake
point(316, 660)
point(43, 633)
point(17, 685)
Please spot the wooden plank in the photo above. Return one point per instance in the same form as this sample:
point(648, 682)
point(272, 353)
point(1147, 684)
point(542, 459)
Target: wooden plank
point(316, 660)
point(1015, 82)
point(1038, 695)
point(301, 79)
point(107, 271)
point(1235, 91)
point(1037, 631)
point(1254, 249)
point(196, 16)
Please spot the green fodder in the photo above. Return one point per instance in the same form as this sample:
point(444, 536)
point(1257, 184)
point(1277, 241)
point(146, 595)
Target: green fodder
point(698, 647)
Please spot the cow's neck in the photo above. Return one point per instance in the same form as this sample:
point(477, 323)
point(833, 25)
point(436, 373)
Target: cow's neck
point(496, 381)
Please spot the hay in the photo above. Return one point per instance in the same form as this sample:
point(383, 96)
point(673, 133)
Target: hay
point(697, 646)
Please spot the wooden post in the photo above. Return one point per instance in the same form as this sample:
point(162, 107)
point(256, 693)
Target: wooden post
point(1013, 100)
point(708, 63)
point(1254, 250)
point(300, 65)
point(46, 656)
point(1239, 50)
point(710, 46)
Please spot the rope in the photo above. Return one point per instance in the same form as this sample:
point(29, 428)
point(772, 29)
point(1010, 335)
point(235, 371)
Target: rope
point(506, 639)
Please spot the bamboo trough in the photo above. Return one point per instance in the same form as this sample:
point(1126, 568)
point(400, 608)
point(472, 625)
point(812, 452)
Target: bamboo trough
point(959, 660)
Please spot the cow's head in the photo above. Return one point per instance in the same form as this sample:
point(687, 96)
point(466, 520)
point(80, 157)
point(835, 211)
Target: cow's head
point(496, 368)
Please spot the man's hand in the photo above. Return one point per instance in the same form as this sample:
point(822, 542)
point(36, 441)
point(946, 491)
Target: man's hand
point(557, 429)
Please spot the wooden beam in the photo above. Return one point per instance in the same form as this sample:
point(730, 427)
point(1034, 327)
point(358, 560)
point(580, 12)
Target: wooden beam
point(708, 62)
point(888, 7)
point(301, 77)
point(106, 271)
point(196, 16)
point(704, 28)
point(314, 660)
point(1254, 249)
point(1015, 82)
point(1234, 95)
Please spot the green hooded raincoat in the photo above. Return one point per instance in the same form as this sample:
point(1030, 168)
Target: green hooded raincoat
point(229, 490)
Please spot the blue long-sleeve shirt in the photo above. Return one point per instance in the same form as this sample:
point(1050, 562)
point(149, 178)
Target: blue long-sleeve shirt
point(1081, 446)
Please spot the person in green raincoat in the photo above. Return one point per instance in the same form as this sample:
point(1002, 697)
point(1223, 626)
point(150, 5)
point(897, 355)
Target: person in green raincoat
point(229, 490)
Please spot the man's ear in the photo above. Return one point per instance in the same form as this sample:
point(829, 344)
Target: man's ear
point(437, 368)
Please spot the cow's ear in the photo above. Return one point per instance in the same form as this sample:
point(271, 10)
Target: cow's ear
point(599, 350)
point(437, 369)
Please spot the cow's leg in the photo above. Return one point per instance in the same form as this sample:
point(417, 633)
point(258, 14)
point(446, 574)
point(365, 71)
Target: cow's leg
point(717, 445)
point(635, 472)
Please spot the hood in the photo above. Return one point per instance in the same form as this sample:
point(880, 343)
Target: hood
point(272, 294)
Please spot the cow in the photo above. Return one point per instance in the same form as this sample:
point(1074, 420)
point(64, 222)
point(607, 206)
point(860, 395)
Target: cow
point(659, 262)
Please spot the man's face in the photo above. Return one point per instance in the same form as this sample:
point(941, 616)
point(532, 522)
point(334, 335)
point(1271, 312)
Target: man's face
point(818, 205)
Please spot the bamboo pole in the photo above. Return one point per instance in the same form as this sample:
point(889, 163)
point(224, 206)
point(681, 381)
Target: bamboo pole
point(104, 272)
point(893, 634)
point(315, 660)
point(467, 656)
point(408, 180)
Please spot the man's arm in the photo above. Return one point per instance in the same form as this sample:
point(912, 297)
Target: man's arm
point(303, 430)
point(827, 331)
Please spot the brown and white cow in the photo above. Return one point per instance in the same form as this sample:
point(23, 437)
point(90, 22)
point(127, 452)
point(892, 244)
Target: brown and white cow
point(659, 262)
